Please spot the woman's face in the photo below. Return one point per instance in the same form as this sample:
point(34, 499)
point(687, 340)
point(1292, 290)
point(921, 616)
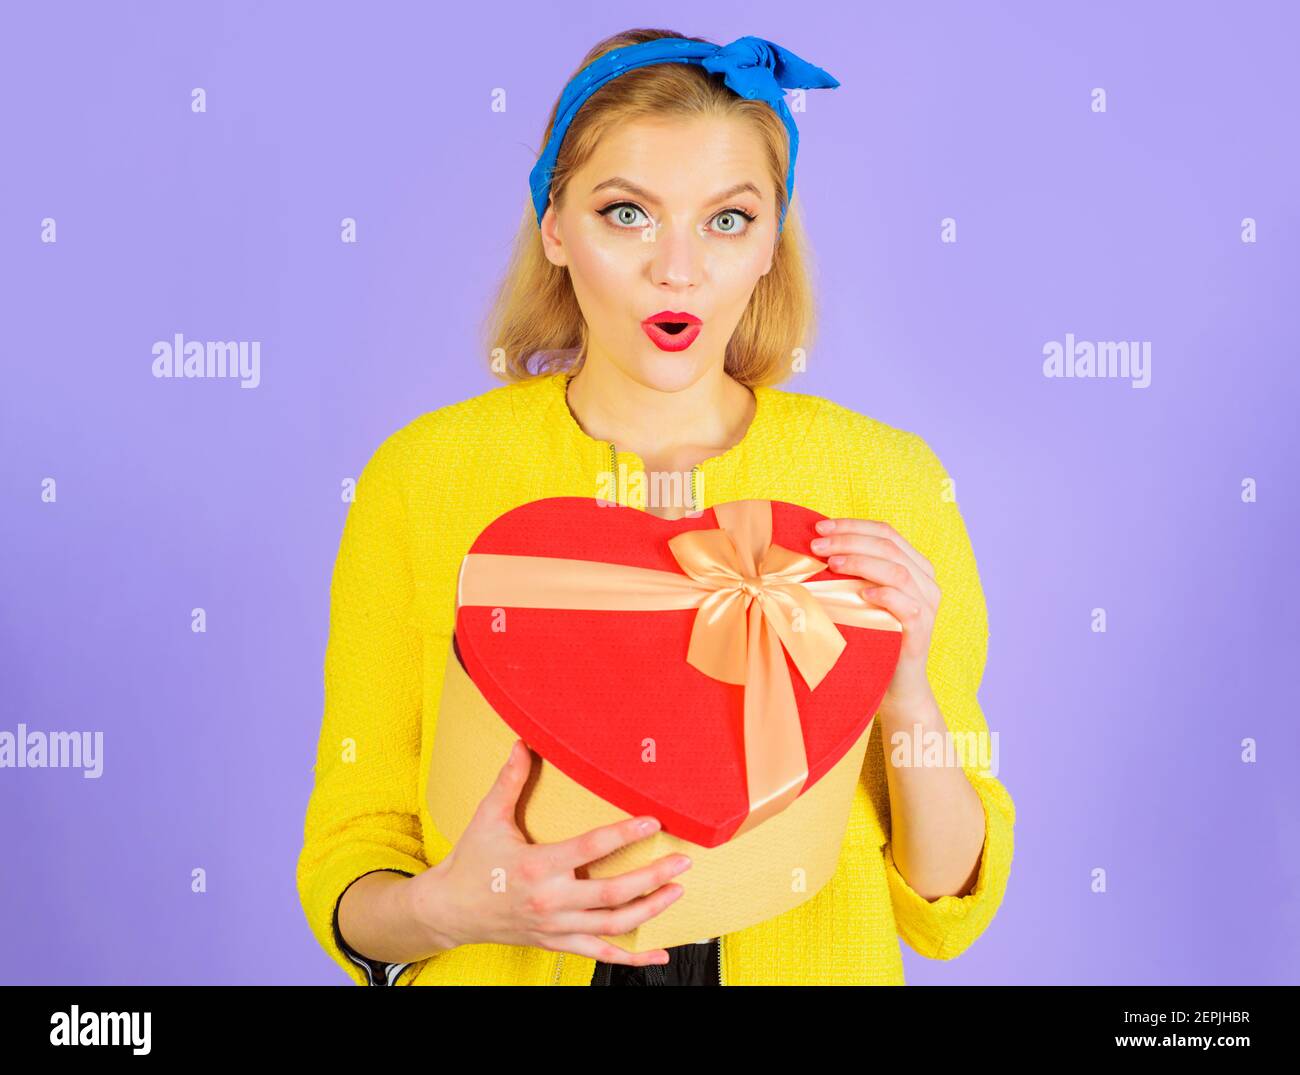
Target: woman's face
point(655, 223)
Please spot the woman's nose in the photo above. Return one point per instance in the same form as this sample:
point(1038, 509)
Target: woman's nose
point(677, 256)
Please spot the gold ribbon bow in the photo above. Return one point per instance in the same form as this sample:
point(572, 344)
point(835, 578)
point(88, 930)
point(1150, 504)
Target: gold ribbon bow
point(754, 605)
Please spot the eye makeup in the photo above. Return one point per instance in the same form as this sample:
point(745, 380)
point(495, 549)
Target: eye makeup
point(734, 210)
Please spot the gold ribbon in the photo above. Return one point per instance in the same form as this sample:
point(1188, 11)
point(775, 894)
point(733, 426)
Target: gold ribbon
point(755, 605)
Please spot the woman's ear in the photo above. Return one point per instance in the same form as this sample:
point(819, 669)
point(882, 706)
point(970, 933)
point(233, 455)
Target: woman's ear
point(552, 241)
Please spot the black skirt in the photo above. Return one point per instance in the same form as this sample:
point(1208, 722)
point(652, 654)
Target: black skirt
point(688, 964)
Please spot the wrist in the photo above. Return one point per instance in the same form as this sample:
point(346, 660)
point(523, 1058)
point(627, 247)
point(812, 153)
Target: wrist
point(425, 906)
point(900, 709)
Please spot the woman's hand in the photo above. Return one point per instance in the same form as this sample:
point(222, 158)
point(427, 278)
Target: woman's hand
point(496, 887)
point(904, 586)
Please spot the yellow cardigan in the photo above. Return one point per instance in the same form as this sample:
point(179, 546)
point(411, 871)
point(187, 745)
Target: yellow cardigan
point(427, 492)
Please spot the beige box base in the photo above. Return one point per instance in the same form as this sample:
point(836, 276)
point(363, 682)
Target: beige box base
point(756, 876)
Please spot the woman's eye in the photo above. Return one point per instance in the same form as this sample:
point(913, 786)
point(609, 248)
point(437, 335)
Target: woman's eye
point(624, 215)
point(733, 222)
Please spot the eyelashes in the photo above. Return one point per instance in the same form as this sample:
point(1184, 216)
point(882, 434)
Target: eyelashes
point(749, 218)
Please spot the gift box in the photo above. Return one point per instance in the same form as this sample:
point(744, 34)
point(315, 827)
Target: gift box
point(706, 671)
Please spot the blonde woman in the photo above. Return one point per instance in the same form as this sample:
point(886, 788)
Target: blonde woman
point(657, 293)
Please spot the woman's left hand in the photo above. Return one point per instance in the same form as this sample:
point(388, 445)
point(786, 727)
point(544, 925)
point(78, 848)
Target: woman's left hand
point(902, 583)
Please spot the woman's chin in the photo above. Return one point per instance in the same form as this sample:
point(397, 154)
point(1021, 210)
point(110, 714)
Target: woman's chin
point(667, 371)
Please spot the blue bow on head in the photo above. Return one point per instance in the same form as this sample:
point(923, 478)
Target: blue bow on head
point(751, 67)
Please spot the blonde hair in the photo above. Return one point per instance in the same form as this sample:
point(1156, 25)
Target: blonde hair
point(535, 327)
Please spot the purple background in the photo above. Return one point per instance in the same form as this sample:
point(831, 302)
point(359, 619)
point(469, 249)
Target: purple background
point(1122, 750)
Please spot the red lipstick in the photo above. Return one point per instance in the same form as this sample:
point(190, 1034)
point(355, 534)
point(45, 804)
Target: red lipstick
point(671, 330)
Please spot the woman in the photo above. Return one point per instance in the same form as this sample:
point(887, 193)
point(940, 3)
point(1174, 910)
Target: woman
point(657, 294)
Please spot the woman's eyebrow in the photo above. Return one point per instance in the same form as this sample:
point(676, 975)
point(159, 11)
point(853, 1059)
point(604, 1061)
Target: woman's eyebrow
point(618, 181)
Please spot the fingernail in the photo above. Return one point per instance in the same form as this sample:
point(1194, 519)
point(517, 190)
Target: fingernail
point(648, 825)
point(825, 526)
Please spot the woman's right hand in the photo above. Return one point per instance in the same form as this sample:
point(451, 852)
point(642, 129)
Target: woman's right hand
point(496, 887)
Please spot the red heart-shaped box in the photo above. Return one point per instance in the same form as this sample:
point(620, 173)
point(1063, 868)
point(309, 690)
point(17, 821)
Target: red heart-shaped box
point(628, 727)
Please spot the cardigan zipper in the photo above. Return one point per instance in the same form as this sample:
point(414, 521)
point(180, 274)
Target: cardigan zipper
point(695, 506)
point(613, 469)
point(654, 970)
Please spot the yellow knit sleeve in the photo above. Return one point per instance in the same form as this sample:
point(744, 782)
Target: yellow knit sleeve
point(363, 811)
point(946, 927)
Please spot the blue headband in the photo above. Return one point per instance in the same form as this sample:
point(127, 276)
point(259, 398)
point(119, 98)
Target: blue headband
point(751, 67)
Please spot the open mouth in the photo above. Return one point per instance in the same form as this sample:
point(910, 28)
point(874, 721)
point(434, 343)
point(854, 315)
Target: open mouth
point(672, 330)
point(672, 336)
